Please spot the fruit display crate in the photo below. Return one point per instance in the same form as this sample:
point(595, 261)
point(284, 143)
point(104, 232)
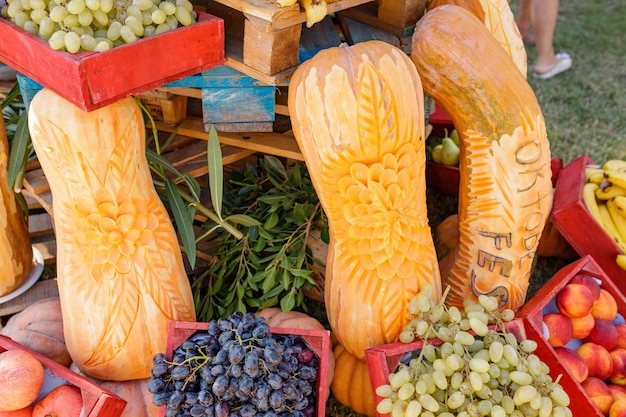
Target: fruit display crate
point(267, 42)
point(384, 359)
point(91, 80)
point(397, 18)
point(317, 340)
point(97, 402)
point(573, 220)
point(543, 302)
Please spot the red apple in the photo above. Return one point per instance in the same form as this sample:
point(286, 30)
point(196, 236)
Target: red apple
point(599, 393)
point(63, 401)
point(597, 358)
point(618, 374)
point(588, 281)
point(581, 326)
point(575, 300)
point(559, 328)
point(573, 362)
point(605, 307)
point(604, 334)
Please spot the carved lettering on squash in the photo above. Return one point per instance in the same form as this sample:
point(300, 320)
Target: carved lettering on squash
point(498, 238)
point(489, 261)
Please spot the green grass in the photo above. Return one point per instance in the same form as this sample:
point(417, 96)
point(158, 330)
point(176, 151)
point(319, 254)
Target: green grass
point(584, 108)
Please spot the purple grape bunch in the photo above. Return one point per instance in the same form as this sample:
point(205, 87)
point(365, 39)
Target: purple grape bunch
point(237, 368)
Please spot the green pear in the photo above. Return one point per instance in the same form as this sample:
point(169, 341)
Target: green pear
point(450, 152)
point(455, 137)
point(436, 153)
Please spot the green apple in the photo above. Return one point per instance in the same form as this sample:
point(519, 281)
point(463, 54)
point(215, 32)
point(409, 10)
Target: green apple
point(436, 153)
point(450, 152)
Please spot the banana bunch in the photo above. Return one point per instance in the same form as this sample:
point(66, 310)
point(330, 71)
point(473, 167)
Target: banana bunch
point(604, 194)
point(315, 10)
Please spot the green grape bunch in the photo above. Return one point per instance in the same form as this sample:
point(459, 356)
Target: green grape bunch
point(479, 369)
point(97, 25)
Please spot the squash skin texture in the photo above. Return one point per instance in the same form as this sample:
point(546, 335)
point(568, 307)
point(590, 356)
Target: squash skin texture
point(120, 272)
point(500, 21)
point(361, 132)
point(505, 192)
point(16, 252)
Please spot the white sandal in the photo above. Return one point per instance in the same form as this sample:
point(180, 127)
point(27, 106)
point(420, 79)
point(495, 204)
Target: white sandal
point(563, 64)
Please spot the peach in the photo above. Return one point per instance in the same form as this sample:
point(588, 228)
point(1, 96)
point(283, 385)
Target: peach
point(574, 300)
point(581, 326)
point(599, 393)
point(618, 408)
point(605, 307)
point(618, 391)
point(573, 362)
point(618, 374)
point(604, 334)
point(597, 358)
point(588, 281)
point(559, 329)
point(621, 335)
point(21, 379)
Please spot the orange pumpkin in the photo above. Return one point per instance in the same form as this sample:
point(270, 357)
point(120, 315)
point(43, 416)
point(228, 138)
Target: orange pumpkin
point(505, 191)
point(351, 385)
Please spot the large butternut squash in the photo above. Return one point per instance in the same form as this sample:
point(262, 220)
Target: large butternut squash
point(16, 252)
point(120, 272)
point(499, 19)
point(505, 192)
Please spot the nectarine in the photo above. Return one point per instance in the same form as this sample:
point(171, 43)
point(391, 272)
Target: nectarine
point(618, 408)
point(618, 391)
point(573, 362)
point(581, 326)
point(599, 393)
point(618, 374)
point(605, 307)
point(575, 300)
point(21, 378)
point(604, 334)
point(588, 281)
point(597, 358)
point(621, 335)
point(559, 328)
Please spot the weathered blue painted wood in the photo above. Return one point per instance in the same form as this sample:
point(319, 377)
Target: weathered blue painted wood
point(28, 88)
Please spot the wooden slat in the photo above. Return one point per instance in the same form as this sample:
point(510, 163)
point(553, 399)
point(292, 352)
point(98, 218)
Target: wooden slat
point(36, 181)
point(269, 143)
point(40, 224)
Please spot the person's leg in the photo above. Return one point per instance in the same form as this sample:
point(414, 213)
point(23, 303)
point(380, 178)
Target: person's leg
point(524, 20)
point(544, 22)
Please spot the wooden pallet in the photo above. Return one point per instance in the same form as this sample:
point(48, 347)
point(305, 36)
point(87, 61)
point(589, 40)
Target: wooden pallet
point(266, 42)
point(397, 17)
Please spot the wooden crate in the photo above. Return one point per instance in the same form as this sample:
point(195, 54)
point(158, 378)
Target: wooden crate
point(163, 106)
point(356, 31)
point(268, 42)
point(97, 402)
point(92, 80)
point(388, 20)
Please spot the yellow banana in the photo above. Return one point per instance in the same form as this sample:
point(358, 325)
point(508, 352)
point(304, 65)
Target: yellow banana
point(616, 177)
point(285, 3)
point(610, 227)
point(620, 203)
point(589, 198)
point(594, 174)
point(618, 215)
point(614, 165)
point(610, 191)
point(621, 261)
point(315, 10)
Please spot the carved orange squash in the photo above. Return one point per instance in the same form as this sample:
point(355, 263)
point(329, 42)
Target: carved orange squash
point(499, 19)
point(505, 192)
point(358, 116)
point(120, 271)
point(16, 252)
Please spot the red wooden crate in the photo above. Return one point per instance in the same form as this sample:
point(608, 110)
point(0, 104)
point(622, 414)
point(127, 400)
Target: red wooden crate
point(573, 220)
point(92, 80)
point(317, 340)
point(97, 402)
point(384, 359)
point(531, 313)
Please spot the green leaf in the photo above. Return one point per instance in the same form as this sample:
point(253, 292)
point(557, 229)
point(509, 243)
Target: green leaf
point(243, 220)
point(286, 279)
point(184, 222)
point(271, 200)
point(216, 171)
point(269, 282)
point(288, 302)
point(300, 272)
point(274, 166)
point(19, 150)
point(271, 221)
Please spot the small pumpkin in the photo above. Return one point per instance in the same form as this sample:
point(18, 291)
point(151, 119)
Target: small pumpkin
point(275, 317)
point(40, 328)
point(351, 385)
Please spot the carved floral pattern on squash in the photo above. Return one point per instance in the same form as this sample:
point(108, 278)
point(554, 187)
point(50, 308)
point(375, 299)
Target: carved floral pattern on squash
point(113, 233)
point(358, 117)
